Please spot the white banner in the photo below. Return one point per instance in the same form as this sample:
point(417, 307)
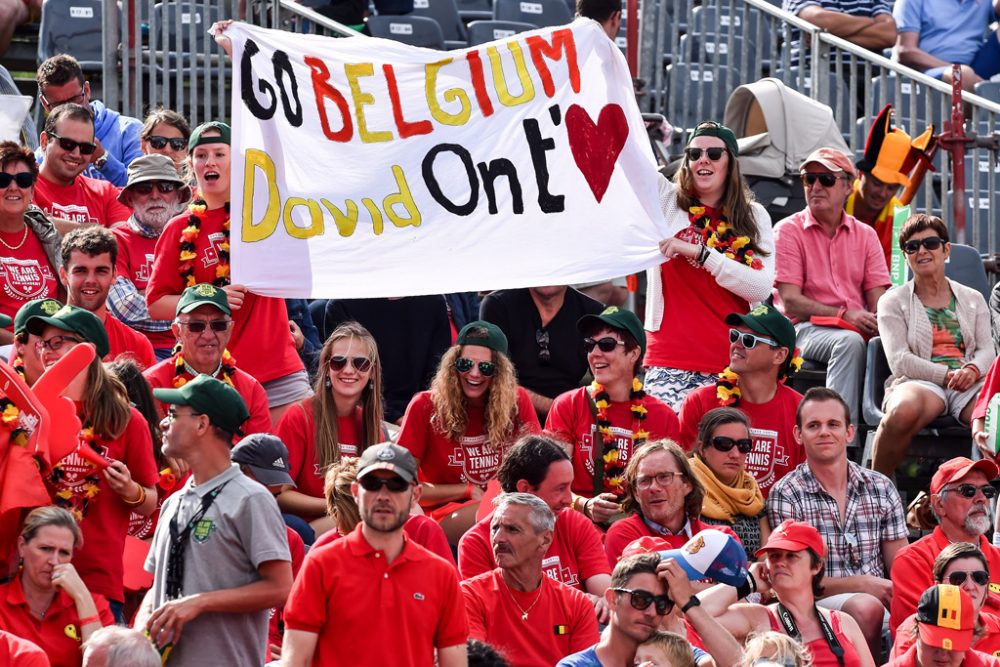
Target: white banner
point(363, 167)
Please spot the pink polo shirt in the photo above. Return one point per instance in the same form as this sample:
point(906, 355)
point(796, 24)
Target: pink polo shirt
point(833, 271)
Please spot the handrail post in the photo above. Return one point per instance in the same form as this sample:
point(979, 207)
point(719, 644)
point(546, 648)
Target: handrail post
point(110, 37)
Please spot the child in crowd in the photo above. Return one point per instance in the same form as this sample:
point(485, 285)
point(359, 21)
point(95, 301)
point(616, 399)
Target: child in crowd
point(664, 649)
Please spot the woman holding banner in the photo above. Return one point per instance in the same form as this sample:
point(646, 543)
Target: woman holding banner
point(459, 430)
point(719, 261)
point(936, 334)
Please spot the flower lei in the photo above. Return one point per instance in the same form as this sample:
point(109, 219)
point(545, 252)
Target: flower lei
point(10, 415)
point(723, 238)
point(78, 504)
point(226, 371)
point(18, 364)
point(614, 472)
point(189, 237)
point(727, 387)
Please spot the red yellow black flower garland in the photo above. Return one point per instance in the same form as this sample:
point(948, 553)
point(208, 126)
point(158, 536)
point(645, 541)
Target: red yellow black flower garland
point(727, 387)
point(721, 237)
point(189, 237)
point(225, 372)
point(614, 471)
point(78, 503)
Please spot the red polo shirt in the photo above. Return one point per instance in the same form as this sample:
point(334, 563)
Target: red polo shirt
point(369, 612)
point(576, 553)
point(125, 342)
point(420, 528)
point(19, 652)
point(624, 532)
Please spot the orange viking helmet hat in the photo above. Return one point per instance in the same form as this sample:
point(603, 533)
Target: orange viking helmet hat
point(890, 154)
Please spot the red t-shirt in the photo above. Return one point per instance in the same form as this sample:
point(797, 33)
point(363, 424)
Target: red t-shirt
point(693, 335)
point(471, 460)
point(107, 518)
point(261, 341)
point(54, 633)
point(276, 623)
point(87, 200)
point(127, 343)
point(369, 612)
point(775, 451)
point(991, 387)
point(989, 643)
point(143, 527)
point(18, 652)
point(624, 532)
point(572, 421)
point(420, 528)
point(162, 376)
point(576, 553)
point(25, 273)
point(560, 621)
point(135, 262)
point(297, 429)
point(973, 658)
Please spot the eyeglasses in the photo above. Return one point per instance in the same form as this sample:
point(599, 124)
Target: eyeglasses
point(165, 187)
point(724, 444)
point(56, 343)
point(76, 99)
point(606, 344)
point(174, 416)
point(395, 484)
point(69, 145)
point(931, 243)
point(827, 180)
point(464, 365)
point(198, 326)
point(661, 478)
point(361, 364)
point(640, 599)
point(980, 577)
point(714, 153)
point(969, 490)
point(748, 340)
point(544, 354)
point(159, 143)
point(24, 179)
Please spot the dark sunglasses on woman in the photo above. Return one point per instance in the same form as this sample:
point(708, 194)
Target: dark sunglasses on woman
point(724, 444)
point(360, 364)
point(931, 243)
point(640, 599)
point(981, 577)
point(24, 179)
point(159, 143)
point(606, 344)
point(464, 365)
point(714, 154)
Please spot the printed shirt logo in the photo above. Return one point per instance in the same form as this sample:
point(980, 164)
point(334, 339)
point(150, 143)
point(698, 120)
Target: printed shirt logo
point(623, 440)
point(202, 531)
point(766, 454)
point(145, 270)
point(26, 278)
point(476, 458)
point(211, 255)
point(74, 212)
point(553, 569)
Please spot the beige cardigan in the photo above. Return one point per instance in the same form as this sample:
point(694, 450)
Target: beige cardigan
point(906, 333)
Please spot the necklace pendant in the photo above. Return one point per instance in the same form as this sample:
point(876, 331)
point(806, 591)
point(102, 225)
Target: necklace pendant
point(524, 616)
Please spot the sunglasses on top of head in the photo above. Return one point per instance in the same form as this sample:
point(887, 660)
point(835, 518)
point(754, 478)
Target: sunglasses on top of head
point(70, 145)
point(912, 247)
point(24, 179)
point(464, 365)
point(159, 143)
point(714, 153)
point(606, 344)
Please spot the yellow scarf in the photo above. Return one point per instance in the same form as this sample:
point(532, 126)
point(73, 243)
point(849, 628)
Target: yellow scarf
point(724, 502)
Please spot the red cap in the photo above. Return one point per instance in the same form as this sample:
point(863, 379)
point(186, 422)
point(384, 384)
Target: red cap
point(645, 545)
point(830, 158)
point(794, 536)
point(959, 467)
point(946, 618)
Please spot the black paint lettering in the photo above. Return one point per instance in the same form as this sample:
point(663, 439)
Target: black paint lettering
point(427, 167)
point(283, 71)
point(548, 202)
point(250, 49)
point(490, 173)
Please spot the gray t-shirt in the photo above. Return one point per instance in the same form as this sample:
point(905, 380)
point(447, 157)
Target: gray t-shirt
point(242, 529)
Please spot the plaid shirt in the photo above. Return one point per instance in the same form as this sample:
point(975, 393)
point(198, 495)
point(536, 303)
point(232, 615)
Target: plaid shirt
point(128, 306)
point(874, 515)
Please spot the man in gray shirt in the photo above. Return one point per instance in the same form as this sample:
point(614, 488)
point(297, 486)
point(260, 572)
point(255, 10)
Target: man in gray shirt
point(220, 555)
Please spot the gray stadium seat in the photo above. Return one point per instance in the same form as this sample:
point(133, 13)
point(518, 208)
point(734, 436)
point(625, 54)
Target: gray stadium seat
point(481, 32)
point(72, 27)
point(412, 30)
point(445, 12)
point(543, 13)
point(475, 10)
point(989, 89)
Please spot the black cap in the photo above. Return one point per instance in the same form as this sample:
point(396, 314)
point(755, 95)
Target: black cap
point(388, 456)
point(266, 456)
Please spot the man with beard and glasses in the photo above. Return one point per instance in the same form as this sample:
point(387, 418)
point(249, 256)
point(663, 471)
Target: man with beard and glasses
point(374, 597)
point(155, 193)
point(960, 499)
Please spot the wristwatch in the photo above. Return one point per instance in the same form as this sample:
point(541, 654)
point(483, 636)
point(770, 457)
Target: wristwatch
point(101, 161)
point(693, 602)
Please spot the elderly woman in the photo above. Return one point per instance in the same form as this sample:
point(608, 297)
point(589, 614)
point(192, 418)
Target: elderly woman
point(47, 602)
point(719, 261)
point(936, 334)
point(29, 240)
point(460, 429)
point(732, 497)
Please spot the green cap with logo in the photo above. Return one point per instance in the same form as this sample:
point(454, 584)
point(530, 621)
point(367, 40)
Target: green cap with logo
point(767, 320)
point(223, 404)
point(198, 138)
point(203, 294)
point(32, 308)
point(76, 320)
point(616, 318)
point(484, 334)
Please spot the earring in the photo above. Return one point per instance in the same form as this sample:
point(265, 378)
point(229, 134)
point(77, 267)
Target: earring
point(328, 384)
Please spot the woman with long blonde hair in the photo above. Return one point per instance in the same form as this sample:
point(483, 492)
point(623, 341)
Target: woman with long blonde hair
point(342, 418)
point(459, 430)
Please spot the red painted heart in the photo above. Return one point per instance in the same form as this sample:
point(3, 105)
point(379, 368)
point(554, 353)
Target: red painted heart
point(596, 147)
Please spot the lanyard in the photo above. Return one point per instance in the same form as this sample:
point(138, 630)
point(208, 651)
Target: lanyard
point(178, 543)
point(792, 630)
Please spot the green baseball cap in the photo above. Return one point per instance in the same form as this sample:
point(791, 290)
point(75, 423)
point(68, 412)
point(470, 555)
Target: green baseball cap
point(710, 128)
point(31, 308)
point(203, 294)
point(616, 318)
point(76, 320)
point(5, 321)
point(767, 320)
point(223, 404)
point(224, 136)
point(472, 334)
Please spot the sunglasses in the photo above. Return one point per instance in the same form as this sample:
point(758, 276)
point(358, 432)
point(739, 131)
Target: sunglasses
point(969, 490)
point(724, 444)
point(361, 364)
point(69, 145)
point(825, 179)
point(199, 326)
point(981, 577)
point(464, 365)
point(931, 243)
point(24, 179)
point(395, 484)
point(76, 99)
point(165, 187)
point(606, 344)
point(640, 599)
point(714, 154)
point(56, 343)
point(159, 143)
point(542, 339)
point(748, 340)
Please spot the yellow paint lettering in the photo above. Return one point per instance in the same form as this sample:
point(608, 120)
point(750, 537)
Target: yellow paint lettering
point(403, 198)
point(347, 221)
point(375, 213)
point(451, 95)
point(500, 79)
point(315, 227)
point(251, 231)
point(361, 99)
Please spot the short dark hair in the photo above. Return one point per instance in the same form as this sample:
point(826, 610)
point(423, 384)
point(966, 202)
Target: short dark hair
point(11, 153)
point(482, 654)
point(70, 111)
point(954, 551)
point(918, 223)
point(818, 395)
point(632, 565)
point(92, 240)
point(166, 117)
point(599, 10)
point(591, 328)
point(717, 417)
point(58, 70)
point(529, 459)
